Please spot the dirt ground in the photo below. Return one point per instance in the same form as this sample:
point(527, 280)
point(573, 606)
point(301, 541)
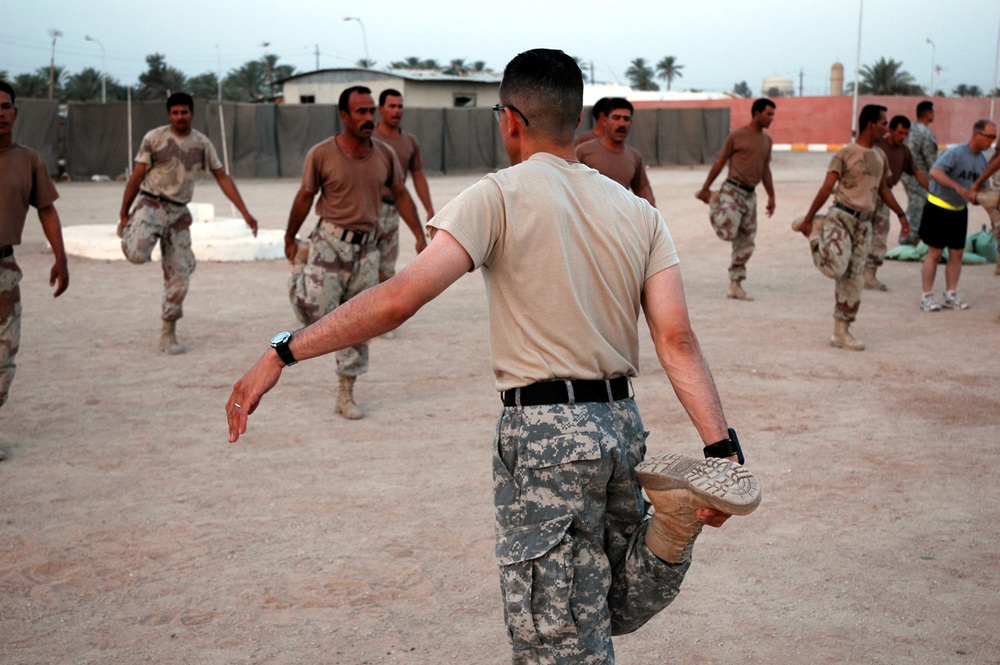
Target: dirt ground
point(132, 532)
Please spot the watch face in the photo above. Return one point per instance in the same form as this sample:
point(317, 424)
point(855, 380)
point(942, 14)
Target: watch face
point(281, 338)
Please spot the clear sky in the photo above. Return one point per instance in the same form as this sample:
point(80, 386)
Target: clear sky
point(719, 42)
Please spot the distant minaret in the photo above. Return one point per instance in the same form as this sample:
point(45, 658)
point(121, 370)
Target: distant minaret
point(836, 80)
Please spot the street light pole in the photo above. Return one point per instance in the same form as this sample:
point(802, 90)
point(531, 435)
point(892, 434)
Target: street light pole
point(104, 69)
point(56, 34)
point(933, 51)
point(364, 39)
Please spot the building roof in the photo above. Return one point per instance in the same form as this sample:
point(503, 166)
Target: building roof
point(408, 74)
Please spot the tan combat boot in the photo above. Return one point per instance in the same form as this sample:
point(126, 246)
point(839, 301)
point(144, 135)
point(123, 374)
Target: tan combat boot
point(736, 292)
point(168, 339)
point(678, 486)
point(817, 227)
point(345, 399)
point(842, 338)
point(872, 282)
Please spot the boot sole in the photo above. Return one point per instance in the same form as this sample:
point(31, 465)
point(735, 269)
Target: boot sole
point(723, 485)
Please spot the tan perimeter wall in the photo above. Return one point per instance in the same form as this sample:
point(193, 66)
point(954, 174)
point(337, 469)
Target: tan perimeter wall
point(819, 120)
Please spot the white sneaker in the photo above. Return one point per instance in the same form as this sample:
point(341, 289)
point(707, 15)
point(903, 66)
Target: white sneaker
point(928, 304)
point(952, 301)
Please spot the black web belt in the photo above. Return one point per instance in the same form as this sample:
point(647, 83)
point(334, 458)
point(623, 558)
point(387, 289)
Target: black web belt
point(6, 251)
point(737, 183)
point(163, 199)
point(558, 392)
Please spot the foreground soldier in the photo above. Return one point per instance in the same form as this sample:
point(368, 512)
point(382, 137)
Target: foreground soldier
point(579, 559)
point(169, 159)
point(733, 211)
point(24, 182)
point(839, 242)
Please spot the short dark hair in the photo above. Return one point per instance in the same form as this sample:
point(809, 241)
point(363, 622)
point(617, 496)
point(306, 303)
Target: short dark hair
point(760, 105)
point(619, 103)
point(345, 97)
point(924, 107)
point(981, 124)
point(6, 87)
point(870, 113)
point(600, 108)
point(898, 120)
point(388, 92)
point(546, 85)
point(180, 99)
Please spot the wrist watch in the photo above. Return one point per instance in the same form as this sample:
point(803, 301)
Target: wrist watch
point(280, 344)
point(726, 447)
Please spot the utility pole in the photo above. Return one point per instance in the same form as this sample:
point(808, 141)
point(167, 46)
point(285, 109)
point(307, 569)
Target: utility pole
point(801, 71)
point(317, 57)
point(55, 34)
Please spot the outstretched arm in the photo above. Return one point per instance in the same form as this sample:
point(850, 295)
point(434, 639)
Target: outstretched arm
point(369, 314)
point(59, 275)
point(228, 188)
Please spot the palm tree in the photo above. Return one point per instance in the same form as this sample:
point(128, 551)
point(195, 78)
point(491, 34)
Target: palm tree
point(668, 69)
point(641, 75)
point(84, 86)
point(457, 67)
point(34, 85)
point(964, 90)
point(411, 62)
point(247, 83)
point(742, 89)
point(160, 79)
point(887, 77)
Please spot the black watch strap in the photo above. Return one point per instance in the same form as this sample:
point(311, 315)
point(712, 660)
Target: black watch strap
point(726, 447)
point(280, 344)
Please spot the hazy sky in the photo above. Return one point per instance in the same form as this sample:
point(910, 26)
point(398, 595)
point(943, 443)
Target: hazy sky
point(719, 42)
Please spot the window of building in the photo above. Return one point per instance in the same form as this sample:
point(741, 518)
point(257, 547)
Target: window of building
point(464, 99)
point(307, 99)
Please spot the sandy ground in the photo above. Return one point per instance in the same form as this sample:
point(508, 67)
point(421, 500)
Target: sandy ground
point(132, 532)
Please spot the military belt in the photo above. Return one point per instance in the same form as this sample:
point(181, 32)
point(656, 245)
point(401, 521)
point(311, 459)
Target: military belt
point(164, 199)
point(857, 214)
point(737, 183)
point(567, 392)
point(347, 235)
point(6, 251)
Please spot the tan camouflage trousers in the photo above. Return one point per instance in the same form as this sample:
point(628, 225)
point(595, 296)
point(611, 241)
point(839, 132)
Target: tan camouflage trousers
point(840, 254)
point(334, 272)
point(10, 322)
point(387, 239)
point(153, 221)
point(916, 197)
point(880, 236)
point(570, 532)
point(990, 201)
point(734, 218)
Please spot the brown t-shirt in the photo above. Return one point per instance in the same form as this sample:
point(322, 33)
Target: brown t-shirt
point(24, 182)
point(589, 135)
point(900, 160)
point(407, 150)
point(861, 171)
point(749, 154)
point(623, 167)
point(350, 190)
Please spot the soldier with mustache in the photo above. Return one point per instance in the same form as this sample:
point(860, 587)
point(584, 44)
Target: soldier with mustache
point(612, 157)
point(341, 258)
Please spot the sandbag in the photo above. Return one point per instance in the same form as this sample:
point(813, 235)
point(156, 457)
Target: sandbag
point(982, 243)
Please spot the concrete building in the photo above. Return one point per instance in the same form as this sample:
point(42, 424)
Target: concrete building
point(420, 88)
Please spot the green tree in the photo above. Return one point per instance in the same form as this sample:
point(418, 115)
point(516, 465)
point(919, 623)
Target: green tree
point(364, 63)
point(160, 80)
point(963, 90)
point(742, 89)
point(886, 77)
point(412, 62)
point(640, 75)
point(667, 70)
point(84, 86)
point(33, 85)
point(204, 86)
point(457, 67)
point(247, 83)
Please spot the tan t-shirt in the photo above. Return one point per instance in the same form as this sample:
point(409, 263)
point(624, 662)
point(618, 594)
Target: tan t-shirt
point(861, 171)
point(623, 167)
point(564, 253)
point(175, 161)
point(749, 153)
point(407, 150)
point(350, 190)
point(24, 182)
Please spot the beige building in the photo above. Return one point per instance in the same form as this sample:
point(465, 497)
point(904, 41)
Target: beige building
point(420, 88)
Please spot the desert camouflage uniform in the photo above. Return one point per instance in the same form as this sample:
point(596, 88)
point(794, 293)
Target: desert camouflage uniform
point(334, 272)
point(734, 218)
point(169, 224)
point(570, 531)
point(387, 239)
point(10, 322)
point(840, 254)
point(923, 146)
point(880, 236)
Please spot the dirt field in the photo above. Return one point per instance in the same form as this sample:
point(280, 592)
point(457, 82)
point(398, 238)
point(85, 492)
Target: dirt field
point(132, 532)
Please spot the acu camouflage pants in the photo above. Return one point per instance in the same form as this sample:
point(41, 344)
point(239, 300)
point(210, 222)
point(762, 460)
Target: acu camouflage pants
point(570, 532)
point(154, 221)
point(10, 322)
point(387, 239)
point(734, 218)
point(880, 236)
point(334, 272)
point(916, 197)
point(840, 254)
